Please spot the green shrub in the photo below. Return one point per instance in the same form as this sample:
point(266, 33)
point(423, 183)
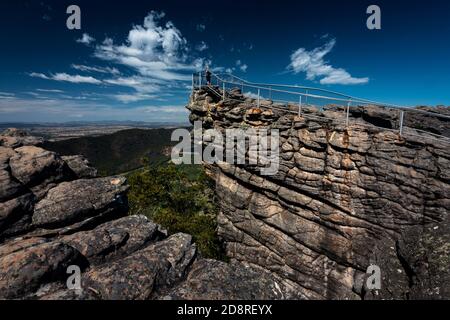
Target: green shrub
point(181, 199)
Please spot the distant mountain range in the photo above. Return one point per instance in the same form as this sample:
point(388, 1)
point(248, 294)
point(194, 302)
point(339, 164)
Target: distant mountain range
point(91, 123)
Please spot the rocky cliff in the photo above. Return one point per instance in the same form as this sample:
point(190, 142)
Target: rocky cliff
point(55, 213)
point(345, 198)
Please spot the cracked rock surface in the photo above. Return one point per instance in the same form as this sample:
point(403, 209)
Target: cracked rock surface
point(55, 213)
point(344, 198)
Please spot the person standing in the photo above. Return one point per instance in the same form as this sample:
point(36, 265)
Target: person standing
point(208, 76)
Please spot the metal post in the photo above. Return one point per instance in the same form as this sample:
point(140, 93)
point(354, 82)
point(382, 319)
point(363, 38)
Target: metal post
point(348, 113)
point(300, 106)
point(259, 93)
point(193, 83)
point(224, 91)
point(402, 116)
point(200, 79)
point(306, 98)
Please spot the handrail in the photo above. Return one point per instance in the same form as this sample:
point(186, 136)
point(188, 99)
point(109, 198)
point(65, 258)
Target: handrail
point(221, 92)
point(348, 97)
point(268, 85)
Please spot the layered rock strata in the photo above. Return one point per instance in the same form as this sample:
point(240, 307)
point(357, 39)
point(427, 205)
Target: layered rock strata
point(344, 198)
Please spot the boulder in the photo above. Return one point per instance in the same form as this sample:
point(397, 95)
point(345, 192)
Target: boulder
point(15, 215)
point(24, 271)
point(138, 276)
point(15, 138)
point(80, 166)
point(217, 280)
point(9, 186)
point(74, 201)
point(38, 169)
point(114, 239)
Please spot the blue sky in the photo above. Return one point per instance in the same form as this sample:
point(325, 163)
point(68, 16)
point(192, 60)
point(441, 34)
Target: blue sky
point(133, 60)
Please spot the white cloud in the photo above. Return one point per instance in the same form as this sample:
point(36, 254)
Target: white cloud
point(50, 90)
point(6, 94)
point(128, 98)
point(38, 75)
point(36, 95)
point(165, 109)
point(86, 39)
point(242, 66)
point(157, 52)
point(133, 82)
point(202, 46)
point(109, 70)
point(253, 95)
point(67, 109)
point(154, 51)
point(67, 78)
point(314, 65)
point(218, 69)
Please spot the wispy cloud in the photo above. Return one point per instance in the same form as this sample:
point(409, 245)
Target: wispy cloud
point(108, 70)
point(154, 51)
point(67, 78)
point(67, 110)
point(50, 90)
point(314, 65)
point(242, 66)
point(202, 46)
point(154, 63)
point(86, 39)
point(134, 97)
point(6, 94)
point(158, 54)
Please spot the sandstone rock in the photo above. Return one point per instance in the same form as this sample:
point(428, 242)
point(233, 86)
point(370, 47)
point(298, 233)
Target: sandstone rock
point(38, 169)
point(140, 274)
point(80, 166)
point(114, 239)
point(345, 197)
point(20, 244)
point(15, 215)
point(24, 271)
point(74, 201)
point(216, 280)
point(15, 138)
point(9, 186)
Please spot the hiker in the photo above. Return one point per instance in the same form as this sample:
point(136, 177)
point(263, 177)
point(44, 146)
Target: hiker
point(208, 76)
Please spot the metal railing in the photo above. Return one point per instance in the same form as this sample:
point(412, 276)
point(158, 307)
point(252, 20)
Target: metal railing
point(299, 97)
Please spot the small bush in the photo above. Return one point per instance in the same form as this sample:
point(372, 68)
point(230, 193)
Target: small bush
point(181, 199)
